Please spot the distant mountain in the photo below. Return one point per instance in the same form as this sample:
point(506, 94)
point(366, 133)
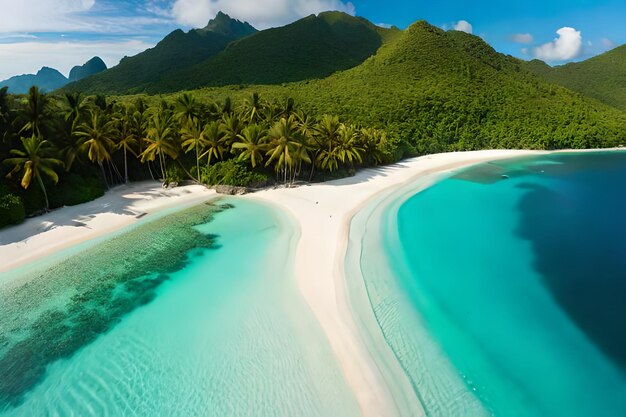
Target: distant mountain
point(602, 77)
point(94, 66)
point(176, 51)
point(433, 87)
point(442, 91)
point(313, 47)
point(49, 79)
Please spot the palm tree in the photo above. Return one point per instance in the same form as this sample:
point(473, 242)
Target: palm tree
point(125, 133)
point(348, 148)
point(74, 109)
point(193, 139)
point(5, 117)
point(253, 108)
point(284, 143)
point(252, 143)
point(34, 112)
point(326, 136)
point(33, 162)
point(96, 137)
point(214, 137)
point(160, 137)
point(232, 127)
point(372, 142)
point(187, 109)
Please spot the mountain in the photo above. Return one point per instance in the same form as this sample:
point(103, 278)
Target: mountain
point(313, 47)
point(94, 66)
point(49, 79)
point(439, 91)
point(176, 51)
point(602, 77)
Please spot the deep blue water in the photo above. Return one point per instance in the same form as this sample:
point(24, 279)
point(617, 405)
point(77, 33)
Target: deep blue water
point(577, 227)
point(517, 271)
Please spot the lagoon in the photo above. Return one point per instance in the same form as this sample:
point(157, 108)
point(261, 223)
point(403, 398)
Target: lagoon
point(500, 289)
point(190, 312)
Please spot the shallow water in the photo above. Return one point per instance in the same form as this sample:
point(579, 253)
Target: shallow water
point(501, 289)
point(193, 313)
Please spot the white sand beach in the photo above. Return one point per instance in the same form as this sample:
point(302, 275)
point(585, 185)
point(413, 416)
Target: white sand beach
point(119, 207)
point(323, 212)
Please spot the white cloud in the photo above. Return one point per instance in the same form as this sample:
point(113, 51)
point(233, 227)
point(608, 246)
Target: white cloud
point(42, 15)
point(259, 13)
point(607, 43)
point(568, 45)
point(463, 26)
point(524, 51)
point(522, 38)
point(29, 57)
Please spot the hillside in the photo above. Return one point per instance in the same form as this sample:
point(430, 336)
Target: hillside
point(94, 66)
point(313, 47)
point(602, 77)
point(49, 79)
point(436, 91)
point(177, 50)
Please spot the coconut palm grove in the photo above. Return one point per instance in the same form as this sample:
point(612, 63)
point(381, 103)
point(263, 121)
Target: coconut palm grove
point(310, 101)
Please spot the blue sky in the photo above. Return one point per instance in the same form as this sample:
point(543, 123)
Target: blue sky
point(63, 33)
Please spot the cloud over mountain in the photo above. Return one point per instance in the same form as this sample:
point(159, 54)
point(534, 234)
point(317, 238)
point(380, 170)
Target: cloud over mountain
point(463, 26)
point(568, 45)
point(260, 13)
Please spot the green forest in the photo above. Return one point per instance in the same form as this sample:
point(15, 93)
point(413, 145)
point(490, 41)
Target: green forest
point(68, 149)
point(277, 107)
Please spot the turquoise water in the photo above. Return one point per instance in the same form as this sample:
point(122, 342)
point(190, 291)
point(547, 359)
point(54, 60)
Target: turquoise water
point(501, 290)
point(194, 313)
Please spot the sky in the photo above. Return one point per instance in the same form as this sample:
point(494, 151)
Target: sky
point(64, 33)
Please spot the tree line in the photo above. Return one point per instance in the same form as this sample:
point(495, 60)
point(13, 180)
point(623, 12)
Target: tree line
point(46, 139)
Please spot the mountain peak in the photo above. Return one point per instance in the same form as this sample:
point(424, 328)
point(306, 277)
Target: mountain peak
point(47, 72)
point(91, 67)
point(225, 25)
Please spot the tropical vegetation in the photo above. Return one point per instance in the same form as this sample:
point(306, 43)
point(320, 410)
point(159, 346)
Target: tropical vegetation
point(404, 93)
point(93, 142)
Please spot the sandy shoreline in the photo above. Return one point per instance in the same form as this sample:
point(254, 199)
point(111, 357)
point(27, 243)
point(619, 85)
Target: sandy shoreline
point(121, 206)
point(324, 212)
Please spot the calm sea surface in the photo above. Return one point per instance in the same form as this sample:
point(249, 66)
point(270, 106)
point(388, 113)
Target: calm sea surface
point(194, 313)
point(509, 288)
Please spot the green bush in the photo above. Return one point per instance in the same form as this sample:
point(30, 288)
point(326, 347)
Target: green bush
point(232, 173)
point(174, 174)
point(11, 208)
point(75, 189)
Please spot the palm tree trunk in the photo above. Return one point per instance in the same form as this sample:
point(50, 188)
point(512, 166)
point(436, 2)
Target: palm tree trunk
point(150, 170)
point(125, 167)
point(198, 163)
point(104, 175)
point(45, 194)
point(161, 158)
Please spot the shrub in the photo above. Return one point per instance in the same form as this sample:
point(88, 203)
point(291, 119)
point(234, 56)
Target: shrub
point(75, 189)
point(11, 208)
point(174, 175)
point(232, 173)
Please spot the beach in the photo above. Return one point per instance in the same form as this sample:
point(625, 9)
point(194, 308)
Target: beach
point(322, 212)
point(121, 206)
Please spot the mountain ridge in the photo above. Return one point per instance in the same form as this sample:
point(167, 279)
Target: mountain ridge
point(177, 49)
point(49, 79)
point(602, 77)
